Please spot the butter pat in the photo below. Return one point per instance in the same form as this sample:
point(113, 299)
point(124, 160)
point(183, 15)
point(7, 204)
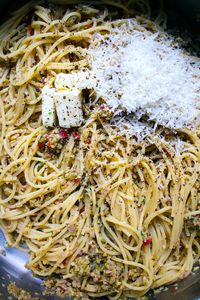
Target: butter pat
point(48, 107)
point(66, 81)
point(68, 108)
point(80, 80)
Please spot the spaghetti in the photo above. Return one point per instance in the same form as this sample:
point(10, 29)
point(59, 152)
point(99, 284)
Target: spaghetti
point(110, 214)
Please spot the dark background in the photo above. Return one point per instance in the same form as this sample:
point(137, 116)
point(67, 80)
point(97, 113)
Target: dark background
point(189, 10)
point(184, 14)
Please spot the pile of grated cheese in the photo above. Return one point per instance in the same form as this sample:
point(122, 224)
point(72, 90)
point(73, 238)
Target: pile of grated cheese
point(146, 74)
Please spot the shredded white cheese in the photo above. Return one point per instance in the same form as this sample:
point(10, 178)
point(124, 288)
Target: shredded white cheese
point(144, 73)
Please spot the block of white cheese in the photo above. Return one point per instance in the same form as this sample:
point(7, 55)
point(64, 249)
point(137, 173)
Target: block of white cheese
point(68, 108)
point(48, 106)
point(66, 81)
point(80, 80)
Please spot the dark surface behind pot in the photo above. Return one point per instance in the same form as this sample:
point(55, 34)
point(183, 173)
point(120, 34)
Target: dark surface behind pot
point(187, 9)
point(184, 14)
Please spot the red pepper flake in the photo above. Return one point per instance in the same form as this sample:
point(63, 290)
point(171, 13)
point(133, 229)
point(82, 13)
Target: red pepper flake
point(77, 181)
point(147, 241)
point(93, 248)
point(63, 134)
point(82, 209)
point(37, 267)
point(71, 228)
point(48, 137)
point(88, 26)
point(30, 30)
point(88, 141)
point(62, 289)
point(80, 253)
point(65, 262)
point(58, 202)
point(173, 290)
point(41, 145)
point(49, 144)
point(76, 135)
point(104, 106)
point(109, 272)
